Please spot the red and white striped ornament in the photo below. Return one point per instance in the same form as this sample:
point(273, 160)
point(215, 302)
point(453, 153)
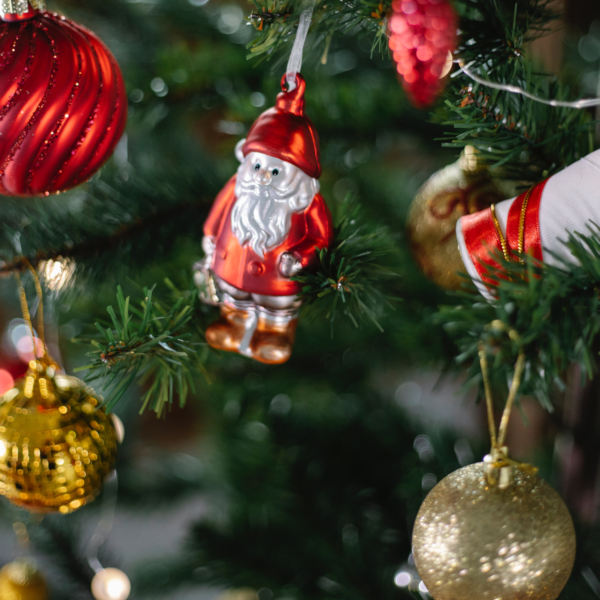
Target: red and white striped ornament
point(63, 104)
point(537, 222)
point(421, 34)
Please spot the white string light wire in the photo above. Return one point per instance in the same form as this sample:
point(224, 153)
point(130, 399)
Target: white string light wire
point(514, 89)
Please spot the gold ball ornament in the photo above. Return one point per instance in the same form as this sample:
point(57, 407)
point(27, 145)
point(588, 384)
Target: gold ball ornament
point(20, 580)
point(476, 540)
point(463, 187)
point(57, 444)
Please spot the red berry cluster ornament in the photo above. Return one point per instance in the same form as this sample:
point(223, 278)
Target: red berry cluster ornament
point(63, 104)
point(421, 34)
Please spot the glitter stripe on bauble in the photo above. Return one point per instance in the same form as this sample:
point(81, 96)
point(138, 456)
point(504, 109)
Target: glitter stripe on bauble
point(64, 105)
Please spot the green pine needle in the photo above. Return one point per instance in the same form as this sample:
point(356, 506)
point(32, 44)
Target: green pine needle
point(554, 310)
point(350, 277)
point(153, 343)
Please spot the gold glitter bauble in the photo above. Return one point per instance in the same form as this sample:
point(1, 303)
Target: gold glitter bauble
point(458, 189)
point(21, 580)
point(473, 540)
point(57, 444)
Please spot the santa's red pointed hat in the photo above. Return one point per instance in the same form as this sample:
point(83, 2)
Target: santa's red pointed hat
point(285, 132)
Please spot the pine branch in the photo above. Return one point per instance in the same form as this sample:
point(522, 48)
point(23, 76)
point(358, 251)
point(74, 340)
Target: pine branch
point(161, 481)
point(137, 218)
point(350, 277)
point(155, 343)
point(62, 545)
point(554, 310)
point(276, 23)
point(279, 488)
point(523, 139)
point(159, 344)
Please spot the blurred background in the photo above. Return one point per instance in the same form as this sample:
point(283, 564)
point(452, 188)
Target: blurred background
point(300, 481)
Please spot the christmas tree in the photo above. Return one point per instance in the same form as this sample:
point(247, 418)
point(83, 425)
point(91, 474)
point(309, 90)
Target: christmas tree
point(299, 480)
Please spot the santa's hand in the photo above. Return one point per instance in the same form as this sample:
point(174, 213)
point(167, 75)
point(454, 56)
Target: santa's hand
point(208, 245)
point(289, 265)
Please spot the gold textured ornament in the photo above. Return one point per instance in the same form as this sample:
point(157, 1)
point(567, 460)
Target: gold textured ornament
point(461, 188)
point(476, 539)
point(57, 444)
point(21, 580)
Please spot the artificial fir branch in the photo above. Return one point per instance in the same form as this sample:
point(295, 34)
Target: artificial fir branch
point(280, 501)
point(525, 139)
point(504, 127)
point(278, 20)
point(553, 309)
point(153, 343)
point(350, 276)
point(56, 540)
point(158, 343)
point(92, 247)
point(138, 218)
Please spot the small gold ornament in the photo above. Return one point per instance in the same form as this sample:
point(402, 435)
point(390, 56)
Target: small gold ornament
point(461, 188)
point(57, 444)
point(20, 580)
point(475, 539)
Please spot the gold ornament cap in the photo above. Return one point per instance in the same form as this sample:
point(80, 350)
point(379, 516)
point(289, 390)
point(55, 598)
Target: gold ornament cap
point(57, 444)
point(21, 580)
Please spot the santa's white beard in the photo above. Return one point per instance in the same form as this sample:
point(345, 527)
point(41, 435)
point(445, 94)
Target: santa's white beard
point(262, 215)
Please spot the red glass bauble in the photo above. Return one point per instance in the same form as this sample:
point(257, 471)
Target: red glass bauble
point(421, 34)
point(63, 105)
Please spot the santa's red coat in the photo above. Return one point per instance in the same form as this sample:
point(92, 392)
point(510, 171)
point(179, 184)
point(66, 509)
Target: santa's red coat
point(242, 268)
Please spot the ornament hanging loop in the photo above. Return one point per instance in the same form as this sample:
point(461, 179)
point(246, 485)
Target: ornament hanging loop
point(295, 61)
point(499, 465)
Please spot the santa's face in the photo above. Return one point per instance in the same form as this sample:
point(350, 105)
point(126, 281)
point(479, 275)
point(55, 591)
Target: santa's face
point(268, 191)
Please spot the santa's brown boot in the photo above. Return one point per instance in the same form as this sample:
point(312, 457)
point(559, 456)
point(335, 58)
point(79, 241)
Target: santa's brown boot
point(272, 341)
point(228, 331)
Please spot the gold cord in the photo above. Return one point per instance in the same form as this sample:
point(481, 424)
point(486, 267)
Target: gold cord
point(27, 314)
point(498, 439)
point(521, 239)
point(503, 243)
point(25, 311)
point(40, 295)
point(488, 395)
point(521, 243)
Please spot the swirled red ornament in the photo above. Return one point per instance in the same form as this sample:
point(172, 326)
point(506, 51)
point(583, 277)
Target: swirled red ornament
point(63, 105)
point(421, 34)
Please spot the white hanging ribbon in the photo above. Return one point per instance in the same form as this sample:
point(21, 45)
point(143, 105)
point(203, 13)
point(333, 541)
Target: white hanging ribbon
point(513, 89)
point(295, 61)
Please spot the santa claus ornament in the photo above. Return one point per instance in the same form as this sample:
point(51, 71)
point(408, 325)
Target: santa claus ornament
point(537, 222)
point(263, 228)
point(63, 104)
